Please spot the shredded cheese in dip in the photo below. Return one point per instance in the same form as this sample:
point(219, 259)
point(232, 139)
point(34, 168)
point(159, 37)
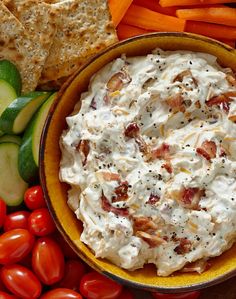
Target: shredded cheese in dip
point(151, 160)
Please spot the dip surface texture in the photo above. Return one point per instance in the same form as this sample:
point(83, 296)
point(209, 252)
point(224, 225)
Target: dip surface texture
point(151, 160)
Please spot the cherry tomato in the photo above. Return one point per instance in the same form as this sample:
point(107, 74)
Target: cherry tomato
point(3, 211)
point(96, 286)
point(21, 281)
point(34, 198)
point(65, 247)
point(126, 294)
point(15, 245)
point(74, 270)
point(16, 220)
point(48, 261)
point(61, 294)
point(189, 295)
point(41, 223)
point(4, 295)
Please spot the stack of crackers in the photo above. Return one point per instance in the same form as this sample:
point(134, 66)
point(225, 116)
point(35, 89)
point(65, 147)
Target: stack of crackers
point(49, 40)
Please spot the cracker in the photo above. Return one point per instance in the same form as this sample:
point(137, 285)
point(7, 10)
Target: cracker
point(84, 28)
point(39, 23)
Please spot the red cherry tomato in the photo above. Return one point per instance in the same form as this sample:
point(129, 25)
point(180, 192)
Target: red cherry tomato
point(16, 220)
point(74, 270)
point(21, 281)
point(15, 245)
point(126, 294)
point(41, 223)
point(96, 286)
point(48, 261)
point(65, 247)
point(61, 294)
point(34, 198)
point(4, 295)
point(189, 295)
point(3, 211)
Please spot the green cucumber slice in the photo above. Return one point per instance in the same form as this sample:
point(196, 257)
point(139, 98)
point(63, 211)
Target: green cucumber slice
point(10, 73)
point(7, 95)
point(29, 150)
point(17, 115)
point(12, 186)
point(10, 138)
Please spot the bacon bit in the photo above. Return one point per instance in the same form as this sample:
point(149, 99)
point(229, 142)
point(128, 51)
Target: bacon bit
point(220, 99)
point(142, 145)
point(132, 130)
point(222, 152)
point(191, 196)
point(153, 199)
point(186, 73)
point(117, 81)
point(168, 167)
point(121, 192)
point(184, 246)
point(143, 223)
point(110, 176)
point(153, 240)
point(231, 79)
point(176, 103)
point(109, 208)
point(84, 148)
point(161, 152)
point(199, 266)
point(207, 150)
point(93, 104)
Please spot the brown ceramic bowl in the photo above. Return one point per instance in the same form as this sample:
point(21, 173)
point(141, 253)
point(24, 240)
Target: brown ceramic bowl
point(222, 267)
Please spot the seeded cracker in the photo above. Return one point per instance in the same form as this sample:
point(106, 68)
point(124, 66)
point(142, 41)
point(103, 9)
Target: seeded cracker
point(84, 28)
point(26, 37)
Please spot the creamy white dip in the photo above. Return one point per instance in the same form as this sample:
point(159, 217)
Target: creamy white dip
point(151, 160)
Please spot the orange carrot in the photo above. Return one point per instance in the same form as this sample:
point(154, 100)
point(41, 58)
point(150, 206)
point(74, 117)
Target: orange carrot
point(217, 15)
point(118, 9)
point(147, 19)
point(125, 31)
point(211, 30)
point(229, 42)
point(155, 6)
point(167, 3)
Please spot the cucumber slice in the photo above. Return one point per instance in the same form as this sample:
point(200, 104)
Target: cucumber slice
point(17, 115)
point(29, 150)
point(12, 186)
point(7, 95)
point(10, 73)
point(10, 138)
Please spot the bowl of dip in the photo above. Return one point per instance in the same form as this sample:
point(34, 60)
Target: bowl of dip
point(138, 162)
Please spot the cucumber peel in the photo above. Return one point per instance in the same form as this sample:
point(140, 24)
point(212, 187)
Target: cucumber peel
point(17, 115)
point(10, 138)
point(7, 95)
point(29, 149)
point(10, 74)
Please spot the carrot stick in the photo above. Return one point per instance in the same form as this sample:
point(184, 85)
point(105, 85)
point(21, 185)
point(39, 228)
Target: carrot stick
point(155, 6)
point(217, 15)
point(211, 30)
point(118, 9)
point(229, 42)
point(167, 3)
point(126, 31)
point(147, 19)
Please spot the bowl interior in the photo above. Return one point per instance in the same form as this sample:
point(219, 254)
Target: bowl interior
point(222, 267)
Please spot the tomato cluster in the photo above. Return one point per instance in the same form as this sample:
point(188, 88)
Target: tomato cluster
point(36, 262)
